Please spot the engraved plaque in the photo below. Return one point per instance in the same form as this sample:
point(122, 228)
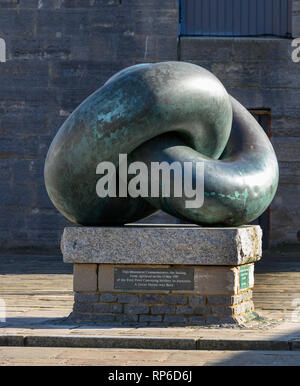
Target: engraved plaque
point(154, 278)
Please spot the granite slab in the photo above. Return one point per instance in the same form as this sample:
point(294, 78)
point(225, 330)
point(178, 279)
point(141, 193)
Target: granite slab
point(162, 244)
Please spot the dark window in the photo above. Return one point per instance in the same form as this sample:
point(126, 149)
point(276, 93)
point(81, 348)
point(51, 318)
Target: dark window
point(235, 18)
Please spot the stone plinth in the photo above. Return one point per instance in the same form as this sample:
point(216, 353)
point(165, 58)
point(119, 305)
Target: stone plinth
point(162, 275)
point(189, 245)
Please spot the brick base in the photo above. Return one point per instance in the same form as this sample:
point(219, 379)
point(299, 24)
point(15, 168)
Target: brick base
point(216, 299)
point(160, 309)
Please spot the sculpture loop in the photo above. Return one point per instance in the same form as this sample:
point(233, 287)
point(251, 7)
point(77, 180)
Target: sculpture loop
point(170, 111)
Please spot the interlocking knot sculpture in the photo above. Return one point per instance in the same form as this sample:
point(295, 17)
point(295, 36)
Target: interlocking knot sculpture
point(170, 111)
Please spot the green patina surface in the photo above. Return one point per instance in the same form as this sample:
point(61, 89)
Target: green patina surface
point(236, 196)
point(171, 111)
point(244, 276)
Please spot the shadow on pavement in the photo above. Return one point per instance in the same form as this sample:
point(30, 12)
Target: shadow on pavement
point(31, 264)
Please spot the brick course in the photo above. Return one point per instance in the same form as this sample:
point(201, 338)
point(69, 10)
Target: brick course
point(149, 314)
point(209, 304)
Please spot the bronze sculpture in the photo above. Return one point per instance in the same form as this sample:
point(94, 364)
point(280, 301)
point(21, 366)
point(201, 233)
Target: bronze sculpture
point(170, 111)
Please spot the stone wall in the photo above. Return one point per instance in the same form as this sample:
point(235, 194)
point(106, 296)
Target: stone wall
point(260, 73)
point(159, 309)
point(218, 298)
point(58, 53)
point(296, 18)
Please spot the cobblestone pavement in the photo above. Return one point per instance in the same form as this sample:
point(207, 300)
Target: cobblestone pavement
point(277, 287)
point(58, 356)
point(38, 287)
point(41, 287)
point(37, 291)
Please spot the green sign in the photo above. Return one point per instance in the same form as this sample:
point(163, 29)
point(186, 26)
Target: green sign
point(244, 277)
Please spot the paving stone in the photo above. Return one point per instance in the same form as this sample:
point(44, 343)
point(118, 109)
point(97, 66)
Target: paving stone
point(108, 298)
point(175, 299)
point(86, 297)
point(103, 318)
point(163, 309)
point(202, 310)
point(223, 311)
point(83, 307)
point(220, 300)
point(136, 309)
point(85, 277)
point(126, 318)
point(200, 320)
point(197, 300)
point(104, 308)
point(185, 310)
point(212, 320)
point(150, 298)
point(150, 318)
point(175, 319)
point(127, 298)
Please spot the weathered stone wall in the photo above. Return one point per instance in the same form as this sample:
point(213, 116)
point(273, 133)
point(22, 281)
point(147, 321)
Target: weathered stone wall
point(261, 75)
point(218, 298)
point(58, 53)
point(159, 309)
point(296, 18)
